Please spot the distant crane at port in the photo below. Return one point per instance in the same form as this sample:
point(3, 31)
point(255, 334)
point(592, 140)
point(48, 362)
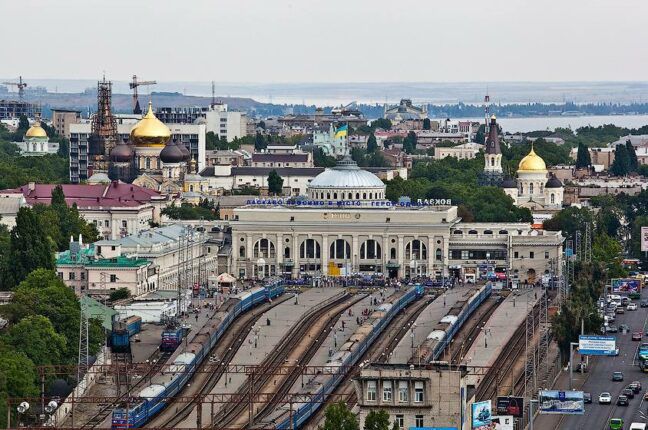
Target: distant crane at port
point(133, 86)
point(21, 86)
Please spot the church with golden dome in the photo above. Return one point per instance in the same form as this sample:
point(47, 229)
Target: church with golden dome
point(36, 142)
point(151, 159)
point(534, 188)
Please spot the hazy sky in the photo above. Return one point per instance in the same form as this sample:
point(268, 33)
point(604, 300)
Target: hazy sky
point(326, 40)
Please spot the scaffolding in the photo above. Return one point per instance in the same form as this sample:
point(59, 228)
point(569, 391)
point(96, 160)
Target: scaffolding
point(103, 137)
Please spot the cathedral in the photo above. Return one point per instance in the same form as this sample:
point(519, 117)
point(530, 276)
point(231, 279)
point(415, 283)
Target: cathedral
point(151, 159)
point(492, 174)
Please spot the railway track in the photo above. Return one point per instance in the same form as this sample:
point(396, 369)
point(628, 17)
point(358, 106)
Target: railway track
point(159, 358)
point(467, 335)
point(505, 362)
point(302, 340)
point(379, 352)
point(223, 352)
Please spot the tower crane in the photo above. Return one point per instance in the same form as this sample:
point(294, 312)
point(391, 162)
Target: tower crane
point(21, 86)
point(133, 86)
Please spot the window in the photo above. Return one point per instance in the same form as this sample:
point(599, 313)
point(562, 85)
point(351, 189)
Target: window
point(418, 420)
point(531, 188)
point(370, 249)
point(531, 254)
point(387, 391)
point(340, 249)
point(418, 392)
point(546, 255)
point(439, 254)
point(553, 198)
point(400, 421)
point(124, 223)
point(264, 248)
point(392, 253)
point(310, 248)
point(242, 252)
point(60, 275)
point(416, 250)
point(403, 391)
point(113, 278)
point(515, 254)
point(83, 276)
point(107, 223)
point(371, 391)
point(72, 276)
point(465, 254)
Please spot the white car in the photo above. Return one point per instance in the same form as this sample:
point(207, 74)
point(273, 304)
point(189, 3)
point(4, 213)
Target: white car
point(632, 307)
point(605, 398)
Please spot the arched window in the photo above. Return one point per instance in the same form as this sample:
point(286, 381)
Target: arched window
point(191, 188)
point(328, 196)
point(350, 196)
point(438, 254)
point(488, 231)
point(148, 162)
point(531, 188)
point(492, 162)
point(503, 232)
point(370, 196)
point(364, 196)
point(340, 250)
point(242, 252)
point(553, 198)
point(334, 196)
point(458, 232)
point(264, 248)
point(416, 250)
point(392, 253)
point(310, 248)
point(357, 196)
point(472, 232)
point(370, 250)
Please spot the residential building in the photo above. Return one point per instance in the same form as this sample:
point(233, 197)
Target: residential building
point(430, 396)
point(396, 157)
point(294, 159)
point(116, 209)
point(10, 204)
point(10, 109)
point(464, 151)
point(216, 117)
point(227, 156)
point(62, 118)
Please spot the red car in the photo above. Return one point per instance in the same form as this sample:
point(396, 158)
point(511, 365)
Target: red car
point(636, 335)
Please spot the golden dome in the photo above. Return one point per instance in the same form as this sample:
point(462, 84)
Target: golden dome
point(532, 163)
point(36, 131)
point(150, 131)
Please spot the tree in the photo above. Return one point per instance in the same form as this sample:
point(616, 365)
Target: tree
point(120, 294)
point(29, 247)
point(382, 123)
point(583, 159)
point(322, 160)
point(372, 145)
point(426, 124)
point(17, 380)
point(339, 417)
point(569, 221)
point(377, 420)
point(409, 143)
point(621, 164)
point(217, 211)
point(632, 156)
point(259, 142)
point(36, 338)
point(275, 183)
point(23, 124)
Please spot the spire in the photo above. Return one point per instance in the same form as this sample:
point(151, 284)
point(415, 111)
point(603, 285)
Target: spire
point(492, 140)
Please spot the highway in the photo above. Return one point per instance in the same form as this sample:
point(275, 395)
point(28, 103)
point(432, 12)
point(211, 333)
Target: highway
point(599, 379)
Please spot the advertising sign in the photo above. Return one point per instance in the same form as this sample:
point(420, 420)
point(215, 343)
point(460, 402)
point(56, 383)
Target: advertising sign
point(503, 422)
point(561, 402)
point(597, 345)
point(644, 239)
point(510, 406)
point(626, 285)
point(481, 415)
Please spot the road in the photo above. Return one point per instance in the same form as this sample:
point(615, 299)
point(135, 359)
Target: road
point(599, 379)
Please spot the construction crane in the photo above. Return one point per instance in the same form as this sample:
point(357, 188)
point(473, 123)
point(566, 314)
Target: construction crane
point(21, 86)
point(133, 86)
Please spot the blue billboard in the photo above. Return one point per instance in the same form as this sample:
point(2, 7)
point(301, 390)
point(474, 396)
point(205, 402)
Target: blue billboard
point(481, 415)
point(561, 402)
point(597, 345)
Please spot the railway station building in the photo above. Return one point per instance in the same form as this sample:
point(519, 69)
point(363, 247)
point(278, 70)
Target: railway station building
point(347, 226)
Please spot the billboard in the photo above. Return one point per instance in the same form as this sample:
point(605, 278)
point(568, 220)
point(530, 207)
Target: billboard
point(481, 415)
point(561, 402)
point(626, 285)
point(510, 406)
point(503, 422)
point(597, 345)
point(644, 239)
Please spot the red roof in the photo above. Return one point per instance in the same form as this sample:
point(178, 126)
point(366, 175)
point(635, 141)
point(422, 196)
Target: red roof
point(115, 194)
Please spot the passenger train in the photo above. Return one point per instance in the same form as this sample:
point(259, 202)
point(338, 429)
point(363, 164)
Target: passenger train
point(170, 381)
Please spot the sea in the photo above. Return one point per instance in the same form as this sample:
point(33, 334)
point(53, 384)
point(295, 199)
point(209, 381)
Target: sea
point(522, 125)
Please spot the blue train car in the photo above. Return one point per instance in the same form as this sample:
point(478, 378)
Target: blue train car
point(172, 337)
point(122, 332)
point(154, 397)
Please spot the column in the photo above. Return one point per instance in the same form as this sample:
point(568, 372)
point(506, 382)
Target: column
point(355, 253)
point(325, 254)
point(401, 254)
point(295, 254)
point(431, 244)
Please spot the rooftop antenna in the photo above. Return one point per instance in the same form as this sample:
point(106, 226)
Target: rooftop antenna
point(213, 94)
point(486, 110)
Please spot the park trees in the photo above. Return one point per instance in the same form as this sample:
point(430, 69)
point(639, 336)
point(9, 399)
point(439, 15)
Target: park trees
point(372, 144)
point(583, 159)
point(339, 417)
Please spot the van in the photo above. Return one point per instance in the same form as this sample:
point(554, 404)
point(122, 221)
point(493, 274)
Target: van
point(638, 426)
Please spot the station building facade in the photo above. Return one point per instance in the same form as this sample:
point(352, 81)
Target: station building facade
point(347, 227)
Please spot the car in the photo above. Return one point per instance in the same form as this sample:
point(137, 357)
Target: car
point(637, 426)
point(643, 303)
point(635, 386)
point(646, 395)
point(631, 307)
point(637, 335)
point(587, 397)
point(625, 301)
point(605, 398)
point(624, 327)
point(616, 424)
point(628, 392)
point(622, 400)
point(620, 310)
point(611, 328)
point(610, 318)
point(617, 376)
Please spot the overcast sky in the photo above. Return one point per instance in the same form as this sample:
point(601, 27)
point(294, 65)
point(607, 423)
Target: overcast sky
point(327, 40)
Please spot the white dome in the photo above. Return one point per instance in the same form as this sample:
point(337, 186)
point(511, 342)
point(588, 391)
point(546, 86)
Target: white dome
point(346, 174)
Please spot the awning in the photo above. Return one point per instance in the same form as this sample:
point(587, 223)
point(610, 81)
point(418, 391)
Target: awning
point(225, 278)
